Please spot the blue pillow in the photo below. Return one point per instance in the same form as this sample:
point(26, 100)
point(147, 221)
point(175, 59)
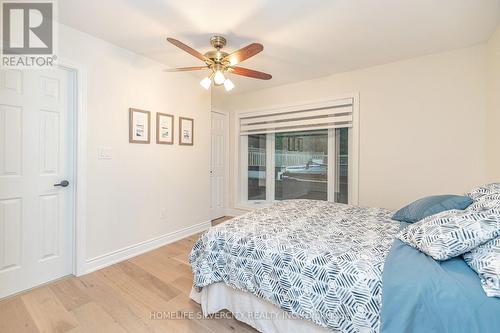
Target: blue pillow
point(428, 206)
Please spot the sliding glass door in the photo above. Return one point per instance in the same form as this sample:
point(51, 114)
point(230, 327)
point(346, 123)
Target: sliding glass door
point(295, 165)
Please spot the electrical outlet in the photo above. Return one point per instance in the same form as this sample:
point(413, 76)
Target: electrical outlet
point(163, 213)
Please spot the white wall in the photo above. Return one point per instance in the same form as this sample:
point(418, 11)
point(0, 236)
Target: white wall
point(125, 194)
point(494, 107)
point(422, 123)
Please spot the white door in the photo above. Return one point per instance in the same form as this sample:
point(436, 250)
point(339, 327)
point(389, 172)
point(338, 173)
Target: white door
point(35, 154)
point(218, 169)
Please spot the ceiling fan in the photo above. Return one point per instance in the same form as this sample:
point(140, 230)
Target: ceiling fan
point(220, 62)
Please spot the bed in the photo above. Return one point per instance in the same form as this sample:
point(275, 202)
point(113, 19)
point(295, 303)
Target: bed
point(315, 266)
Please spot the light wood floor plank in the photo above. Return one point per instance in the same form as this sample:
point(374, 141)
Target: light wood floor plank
point(163, 289)
point(92, 318)
point(162, 267)
point(69, 294)
point(183, 283)
point(14, 317)
point(221, 220)
point(113, 303)
point(48, 312)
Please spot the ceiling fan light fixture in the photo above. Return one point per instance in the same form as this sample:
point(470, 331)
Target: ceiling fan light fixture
point(218, 62)
point(206, 82)
point(228, 85)
point(219, 78)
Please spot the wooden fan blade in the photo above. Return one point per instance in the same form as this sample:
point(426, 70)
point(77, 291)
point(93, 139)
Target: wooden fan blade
point(189, 50)
point(186, 69)
point(250, 73)
point(243, 53)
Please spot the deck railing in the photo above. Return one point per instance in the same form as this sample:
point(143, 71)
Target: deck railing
point(257, 158)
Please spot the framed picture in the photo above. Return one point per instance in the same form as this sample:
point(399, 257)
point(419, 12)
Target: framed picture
point(139, 126)
point(186, 131)
point(164, 128)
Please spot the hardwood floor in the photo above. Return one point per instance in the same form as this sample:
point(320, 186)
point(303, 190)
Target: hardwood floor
point(137, 295)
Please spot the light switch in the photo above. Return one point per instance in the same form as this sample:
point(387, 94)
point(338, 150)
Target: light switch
point(104, 153)
point(163, 213)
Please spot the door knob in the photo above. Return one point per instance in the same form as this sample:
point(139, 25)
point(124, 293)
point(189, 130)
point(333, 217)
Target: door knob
point(63, 183)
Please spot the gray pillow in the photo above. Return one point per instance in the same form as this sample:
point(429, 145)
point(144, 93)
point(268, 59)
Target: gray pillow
point(485, 260)
point(431, 205)
point(451, 233)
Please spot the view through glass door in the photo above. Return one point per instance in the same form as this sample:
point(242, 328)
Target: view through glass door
point(297, 165)
point(301, 165)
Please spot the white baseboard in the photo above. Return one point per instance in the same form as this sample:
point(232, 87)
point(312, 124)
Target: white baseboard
point(235, 212)
point(128, 252)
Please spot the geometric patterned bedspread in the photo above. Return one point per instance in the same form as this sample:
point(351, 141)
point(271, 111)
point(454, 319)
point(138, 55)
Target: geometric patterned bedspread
point(316, 260)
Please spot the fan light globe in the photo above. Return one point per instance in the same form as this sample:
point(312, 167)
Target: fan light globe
point(228, 85)
point(205, 83)
point(219, 78)
point(233, 61)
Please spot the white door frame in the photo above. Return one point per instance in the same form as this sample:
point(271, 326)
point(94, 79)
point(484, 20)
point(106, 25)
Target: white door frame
point(226, 153)
point(80, 164)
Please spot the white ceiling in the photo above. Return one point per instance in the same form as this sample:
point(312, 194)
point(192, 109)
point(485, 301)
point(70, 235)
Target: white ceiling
point(302, 39)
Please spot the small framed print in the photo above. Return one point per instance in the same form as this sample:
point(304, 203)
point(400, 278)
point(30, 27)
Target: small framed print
point(186, 131)
point(139, 126)
point(164, 128)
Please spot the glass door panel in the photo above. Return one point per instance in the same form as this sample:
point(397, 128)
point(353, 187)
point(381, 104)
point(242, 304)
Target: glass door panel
point(301, 165)
point(257, 167)
point(341, 165)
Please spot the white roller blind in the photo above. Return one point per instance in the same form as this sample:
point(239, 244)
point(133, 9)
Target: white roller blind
point(332, 114)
